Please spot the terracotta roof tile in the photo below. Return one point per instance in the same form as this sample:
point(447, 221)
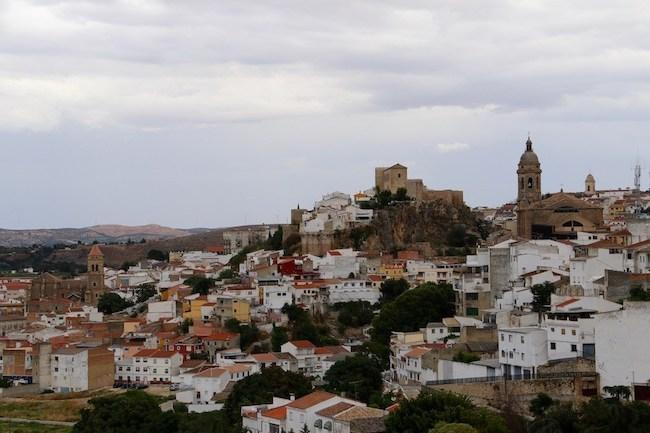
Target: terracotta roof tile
point(311, 400)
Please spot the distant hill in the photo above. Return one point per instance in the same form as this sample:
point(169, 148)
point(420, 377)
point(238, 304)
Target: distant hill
point(47, 258)
point(107, 233)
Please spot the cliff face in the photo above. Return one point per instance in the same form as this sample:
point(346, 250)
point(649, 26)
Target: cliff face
point(427, 225)
point(433, 228)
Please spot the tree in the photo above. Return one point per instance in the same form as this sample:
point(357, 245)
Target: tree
point(184, 327)
point(304, 429)
point(443, 427)
point(430, 408)
point(262, 387)
point(226, 274)
point(133, 411)
point(457, 236)
point(413, 310)
point(200, 284)
point(161, 256)
point(542, 296)
point(279, 336)
point(359, 377)
point(618, 392)
point(232, 325)
point(145, 291)
point(540, 404)
point(110, 303)
point(637, 293)
point(354, 314)
point(275, 240)
point(466, 357)
point(391, 289)
point(401, 195)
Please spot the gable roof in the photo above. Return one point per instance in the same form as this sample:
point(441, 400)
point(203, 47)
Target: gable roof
point(310, 400)
point(95, 251)
point(303, 344)
point(278, 413)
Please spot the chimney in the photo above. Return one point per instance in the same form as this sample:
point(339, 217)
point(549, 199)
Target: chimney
point(292, 396)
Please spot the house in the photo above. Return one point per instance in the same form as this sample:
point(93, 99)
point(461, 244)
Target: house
point(150, 366)
point(522, 351)
point(228, 307)
point(218, 341)
point(318, 411)
point(162, 310)
point(622, 351)
point(81, 368)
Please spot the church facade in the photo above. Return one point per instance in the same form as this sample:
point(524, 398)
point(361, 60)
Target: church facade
point(86, 289)
point(554, 216)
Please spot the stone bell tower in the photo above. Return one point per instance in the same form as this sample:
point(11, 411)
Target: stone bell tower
point(95, 276)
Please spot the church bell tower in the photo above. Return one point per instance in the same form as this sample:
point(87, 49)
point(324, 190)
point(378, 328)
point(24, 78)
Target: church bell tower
point(529, 177)
point(95, 276)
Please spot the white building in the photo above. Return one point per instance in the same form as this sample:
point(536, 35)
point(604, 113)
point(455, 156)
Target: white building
point(162, 310)
point(522, 350)
point(353, 290)
point(150, 366)
point(622, 352)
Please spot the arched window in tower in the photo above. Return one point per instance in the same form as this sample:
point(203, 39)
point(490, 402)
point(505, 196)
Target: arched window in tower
point(530, 183)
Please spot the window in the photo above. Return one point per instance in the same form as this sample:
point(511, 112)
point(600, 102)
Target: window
point(574, 348)
point(502, 337)
point(510, 338)
point(552, 346)
point(573, 332)
point(522, 356)
point(563, 331)
point(522, 339)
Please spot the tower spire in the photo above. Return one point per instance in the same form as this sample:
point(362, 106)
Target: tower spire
point(529, 144)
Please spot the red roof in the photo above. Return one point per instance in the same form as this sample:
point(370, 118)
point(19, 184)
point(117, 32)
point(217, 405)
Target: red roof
point(311, 400)
point(567, 302)
point(220, 336)
point(303, 344)
point(95, 251)
point(154, 353)
point(277, 413)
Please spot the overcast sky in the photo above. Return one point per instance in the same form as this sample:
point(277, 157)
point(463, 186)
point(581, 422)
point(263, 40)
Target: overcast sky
point(213, 113)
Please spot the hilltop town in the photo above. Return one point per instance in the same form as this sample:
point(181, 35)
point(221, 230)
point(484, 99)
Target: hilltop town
point(358, 311)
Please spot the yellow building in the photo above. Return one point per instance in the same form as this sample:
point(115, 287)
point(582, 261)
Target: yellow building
point(229, 307)
point(192, 307)
point(392, 271)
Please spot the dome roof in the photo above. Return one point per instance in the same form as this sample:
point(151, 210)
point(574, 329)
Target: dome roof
point(529, 157)
point(590, 178)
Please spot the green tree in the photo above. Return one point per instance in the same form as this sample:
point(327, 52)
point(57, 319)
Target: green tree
point(359, 377)
point(455, 427)
point(354, 314)
point(184, 327)
point(618, 392)
point(540, 404)
point(542, 296)
point(466, 357)
point(275, 240)
point(457, 236)
point(279, 336)
point(401, 195)
point(226, 274)
point(413, 310)
point(391, 289)
point(133, 411)
point(161, 256)
point(200, 284)
point(638, 294)
point(425, 412)
point(145, 291)
point(110, 303)
point(262, 387)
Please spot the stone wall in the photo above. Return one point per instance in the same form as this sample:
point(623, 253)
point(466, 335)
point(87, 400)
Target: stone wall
point(518, 394)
